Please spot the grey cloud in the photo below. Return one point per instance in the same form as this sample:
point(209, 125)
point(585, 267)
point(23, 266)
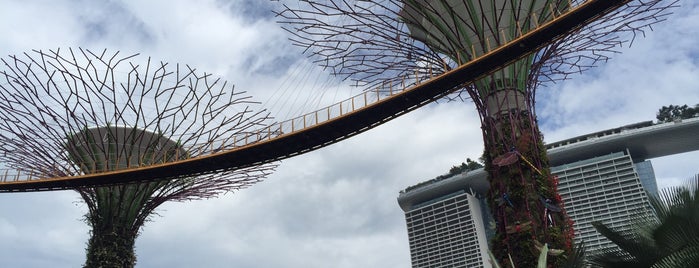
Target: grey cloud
point(335, 207)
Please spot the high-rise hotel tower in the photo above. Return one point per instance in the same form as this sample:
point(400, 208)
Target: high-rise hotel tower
point(603, 176)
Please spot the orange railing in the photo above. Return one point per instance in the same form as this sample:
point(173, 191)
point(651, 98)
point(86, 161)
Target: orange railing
point(307, 121)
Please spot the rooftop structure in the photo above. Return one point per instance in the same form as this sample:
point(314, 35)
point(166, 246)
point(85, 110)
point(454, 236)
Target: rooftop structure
point(643, 140)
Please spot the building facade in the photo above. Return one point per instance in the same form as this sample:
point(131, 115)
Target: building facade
point(606, 189)
point(448, 232)
point(603, 176)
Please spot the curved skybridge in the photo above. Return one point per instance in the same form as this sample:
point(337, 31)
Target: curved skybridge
point(331, 124)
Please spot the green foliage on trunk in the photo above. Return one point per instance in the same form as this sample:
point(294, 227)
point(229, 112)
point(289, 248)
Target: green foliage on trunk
point(110, 246)
point(575, 260)
point(519, 190)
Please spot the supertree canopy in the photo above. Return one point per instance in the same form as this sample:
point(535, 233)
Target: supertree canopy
point(377, 42)
point(463, 30)
point(74, 112)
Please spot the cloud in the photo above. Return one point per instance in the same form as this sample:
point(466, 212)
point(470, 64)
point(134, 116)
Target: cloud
point(41, 230)
point(658, 70)
point(632, 86)
point(334, 207)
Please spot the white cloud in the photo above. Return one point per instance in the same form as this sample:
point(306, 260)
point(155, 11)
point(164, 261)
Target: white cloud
point(658, 70)
point(335, 207)
point(48, 225)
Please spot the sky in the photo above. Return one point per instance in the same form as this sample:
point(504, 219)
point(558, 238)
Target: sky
point(334, 207)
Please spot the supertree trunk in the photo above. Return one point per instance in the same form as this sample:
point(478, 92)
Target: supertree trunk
point(389, 42)
point(111, 244)
point(116, 216)
point(117, 213)
point(523, 197)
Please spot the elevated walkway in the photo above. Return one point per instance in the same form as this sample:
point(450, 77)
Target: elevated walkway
point(334, 123)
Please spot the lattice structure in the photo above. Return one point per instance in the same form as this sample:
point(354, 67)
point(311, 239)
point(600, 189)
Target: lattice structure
point(378, 42)
point(369, 42)
point(73, 112)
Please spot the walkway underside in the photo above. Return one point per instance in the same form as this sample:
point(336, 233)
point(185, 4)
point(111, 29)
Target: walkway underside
point(350, 124)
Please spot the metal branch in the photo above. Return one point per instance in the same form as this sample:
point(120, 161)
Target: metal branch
point(369, 42)
point(51, 98)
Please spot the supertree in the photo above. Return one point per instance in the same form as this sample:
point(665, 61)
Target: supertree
point(396, 41)
point(75, 112)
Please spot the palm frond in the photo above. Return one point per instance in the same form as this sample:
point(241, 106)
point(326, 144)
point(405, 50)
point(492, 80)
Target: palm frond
point(667, 238)
point(688, 257)
point(635, 245)
point(576, 259)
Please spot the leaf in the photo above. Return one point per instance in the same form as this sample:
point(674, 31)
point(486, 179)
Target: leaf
point(493, 260)
point(542, 256)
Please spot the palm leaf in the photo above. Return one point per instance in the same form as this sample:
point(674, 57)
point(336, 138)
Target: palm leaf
point(667, 238)
point(576, 259)
point(688, 257)
point(493, 260)
point(542, 256)
point(635, 245)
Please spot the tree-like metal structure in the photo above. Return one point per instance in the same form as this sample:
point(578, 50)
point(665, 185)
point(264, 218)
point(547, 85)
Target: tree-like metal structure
point(380, 42)
point(75, 112)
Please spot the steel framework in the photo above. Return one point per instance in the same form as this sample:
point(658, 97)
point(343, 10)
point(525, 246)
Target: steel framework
point(76, 112)
point(49, 96)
